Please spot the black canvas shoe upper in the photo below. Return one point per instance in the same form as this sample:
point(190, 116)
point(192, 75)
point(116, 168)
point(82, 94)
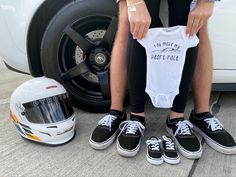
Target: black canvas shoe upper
point(130, 134)
point(182, 130)
point(212, 127)
point(107, 126)
point(154, 149)
point(169, 148)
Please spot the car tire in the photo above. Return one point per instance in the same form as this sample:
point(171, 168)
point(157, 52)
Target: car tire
point(76, 50)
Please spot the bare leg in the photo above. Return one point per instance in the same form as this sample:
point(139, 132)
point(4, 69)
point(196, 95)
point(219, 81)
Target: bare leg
point(118, 69)
point(138, 114)
point(174, 115)
point(202, 78)
point(203, 73)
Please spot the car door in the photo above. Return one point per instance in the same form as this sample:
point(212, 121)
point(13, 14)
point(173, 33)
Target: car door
point(222, 30)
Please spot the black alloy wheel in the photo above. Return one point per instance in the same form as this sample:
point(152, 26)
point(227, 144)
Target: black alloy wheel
point(76, 51)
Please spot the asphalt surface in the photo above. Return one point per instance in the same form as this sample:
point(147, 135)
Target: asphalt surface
point(19, 157)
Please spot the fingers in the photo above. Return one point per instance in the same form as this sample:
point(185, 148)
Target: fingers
point(198, 17)
point(137, 30)
point(195, 22)
point(195, 26)
point(189, 24)
point(145, 30)
point(139, 22)
point(200, 25)
point(132, 25)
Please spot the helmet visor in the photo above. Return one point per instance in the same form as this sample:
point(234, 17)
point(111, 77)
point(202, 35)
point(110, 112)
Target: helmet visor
point(49, 110)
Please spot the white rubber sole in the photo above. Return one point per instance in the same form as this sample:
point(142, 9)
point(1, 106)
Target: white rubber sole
point(154, 161)
point(218, 147)
point(102, 145)
point(184, 152)
point(171, 161)
point(127, 153)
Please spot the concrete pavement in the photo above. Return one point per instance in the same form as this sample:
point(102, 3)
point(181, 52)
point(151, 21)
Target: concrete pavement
point(23, 158)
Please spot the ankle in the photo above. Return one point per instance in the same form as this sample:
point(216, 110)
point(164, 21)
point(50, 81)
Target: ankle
point(142, 114)
point(175, 115)
point(201, 110)
point(119, 113)
point(200, 114)
point(138, 117)
point(117, 108)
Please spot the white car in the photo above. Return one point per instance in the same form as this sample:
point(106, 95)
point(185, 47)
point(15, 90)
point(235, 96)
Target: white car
point(71, 42)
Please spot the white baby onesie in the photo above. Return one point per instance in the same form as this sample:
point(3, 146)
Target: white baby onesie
point(166, 50)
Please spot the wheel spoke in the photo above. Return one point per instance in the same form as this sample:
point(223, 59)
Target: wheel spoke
point(103, 78)
point(83, 43)
point(75, 71)
point(109, 36)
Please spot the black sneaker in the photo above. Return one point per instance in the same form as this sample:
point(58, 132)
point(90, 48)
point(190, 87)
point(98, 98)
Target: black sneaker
point(170, 153)
point(185, 140)
point(154, 153)
point(129, 140)
point(105, 133)
point(214, 133)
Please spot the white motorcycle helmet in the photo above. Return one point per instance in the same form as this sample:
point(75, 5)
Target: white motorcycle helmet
point(42, 111)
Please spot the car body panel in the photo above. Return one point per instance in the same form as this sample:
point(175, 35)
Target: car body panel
point(16, 16)
point(224, 76)
point(222, 31)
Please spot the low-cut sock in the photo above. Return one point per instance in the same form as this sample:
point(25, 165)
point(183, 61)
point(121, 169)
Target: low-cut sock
point(119, 113)
point(174, 120)
point(202, 114)
point(138, 118)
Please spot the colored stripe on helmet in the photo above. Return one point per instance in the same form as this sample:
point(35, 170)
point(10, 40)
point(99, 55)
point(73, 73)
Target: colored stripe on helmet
point(14, 118)
point(19, 129)
point(33, 137)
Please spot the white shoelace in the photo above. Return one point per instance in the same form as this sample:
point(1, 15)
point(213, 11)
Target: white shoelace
point(154, 144)
point(183, 128)
point(131, 127)
point(214, 124)
point(170, 145)
point(107, 120)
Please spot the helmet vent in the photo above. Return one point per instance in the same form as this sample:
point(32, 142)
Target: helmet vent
point(28, 131)
point(52, 127)
point(45, 133)
point(25, 126)
point(52, 86)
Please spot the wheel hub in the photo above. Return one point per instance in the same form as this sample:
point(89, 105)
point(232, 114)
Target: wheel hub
point(99, 58)
point(96, 62)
